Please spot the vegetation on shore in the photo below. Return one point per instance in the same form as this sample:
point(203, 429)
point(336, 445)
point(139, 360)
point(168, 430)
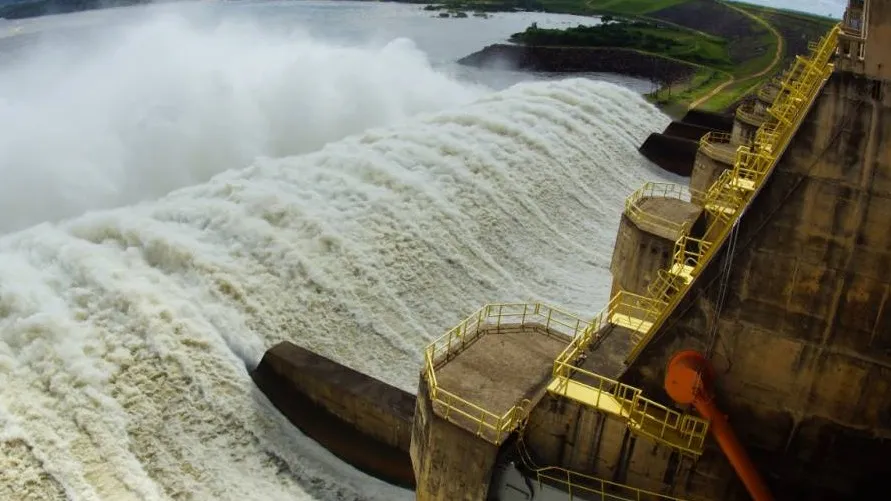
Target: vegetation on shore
point(735, 46)
point(647, 36)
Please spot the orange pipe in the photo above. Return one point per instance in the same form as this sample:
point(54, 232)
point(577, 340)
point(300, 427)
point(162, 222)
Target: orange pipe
point(688, 380)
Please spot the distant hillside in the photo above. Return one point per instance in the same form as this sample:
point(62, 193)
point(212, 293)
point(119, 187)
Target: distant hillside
point(19, 9)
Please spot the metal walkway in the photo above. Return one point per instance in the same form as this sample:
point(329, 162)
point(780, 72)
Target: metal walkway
point(640, 316)
point(732, 191)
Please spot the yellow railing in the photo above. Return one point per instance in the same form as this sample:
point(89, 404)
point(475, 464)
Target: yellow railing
point(491, 318)
point(663, 287)
point(635, 211)
point(688, 251)
point(684, 432)
point(581, 486)
point(644, 308)
point(708, 145)
point(734, 188)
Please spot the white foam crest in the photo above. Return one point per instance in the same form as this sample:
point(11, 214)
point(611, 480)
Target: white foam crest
point(124, 334)
point(131, 112)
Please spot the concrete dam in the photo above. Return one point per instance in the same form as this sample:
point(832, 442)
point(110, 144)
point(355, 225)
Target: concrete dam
point(743, 351)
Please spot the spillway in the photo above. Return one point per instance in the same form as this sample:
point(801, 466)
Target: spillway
point(126, 335)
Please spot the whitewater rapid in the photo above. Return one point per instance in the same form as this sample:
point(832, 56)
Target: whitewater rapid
point(126, 335)
point(129, 111)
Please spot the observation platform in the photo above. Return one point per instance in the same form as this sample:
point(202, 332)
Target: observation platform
point(670, 216)
point(717, 146)
point(662, 209)
point(491, 370)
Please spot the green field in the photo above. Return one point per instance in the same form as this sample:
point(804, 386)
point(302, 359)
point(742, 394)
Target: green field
point(736, 46)
point(676, 43)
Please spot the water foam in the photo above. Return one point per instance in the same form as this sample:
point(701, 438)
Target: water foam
point(133, 110)
point(126, 333)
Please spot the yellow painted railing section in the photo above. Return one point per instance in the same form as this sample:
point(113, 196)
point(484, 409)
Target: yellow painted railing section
point(581, 486)
point(492, 317)
point(735, 187)
point(637, 213)
point(622, 307)
point(642, 315)
point(643, 416)
point(584, 486)
point(684, 432)
point(708, 145)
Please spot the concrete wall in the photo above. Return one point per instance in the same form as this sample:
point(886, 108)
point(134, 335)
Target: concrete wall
point(705, 172)
point(803, 344)
point(743, 132)
point(877, 62)
point(637, 256)
point(565, 433)
point(365, 422)
point(450, 464)
point(561, 432)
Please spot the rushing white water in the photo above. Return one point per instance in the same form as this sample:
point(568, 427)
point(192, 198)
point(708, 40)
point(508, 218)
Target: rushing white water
point(125, 334)
point(134, 111)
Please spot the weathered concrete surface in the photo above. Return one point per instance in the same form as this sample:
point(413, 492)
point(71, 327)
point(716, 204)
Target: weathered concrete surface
point(501, 369)
point(706, 171)
point(674, 154)
point(361, 420)
point(673, 213)
point(877, 63)
point(453, 456)
point(637, 256)
point(580, 59)
point(803, 344)
point(562, 432)
point(743, 132)
point(449, 462)
point(642, 249)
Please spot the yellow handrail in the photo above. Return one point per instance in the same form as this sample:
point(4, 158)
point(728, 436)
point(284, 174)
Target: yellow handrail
point(575, 483)
point(489, 425)
point(635, 211)
point(751, 166)
point(643, 415)
point(707, 145)
point(683, 256)
point(623, 303)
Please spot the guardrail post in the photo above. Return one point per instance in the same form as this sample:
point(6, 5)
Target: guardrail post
point(498, 318)
point(568, 484)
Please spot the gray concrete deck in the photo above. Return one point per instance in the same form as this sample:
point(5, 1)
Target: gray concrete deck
point(672, 209)
point(722, 152)
point(499, 370)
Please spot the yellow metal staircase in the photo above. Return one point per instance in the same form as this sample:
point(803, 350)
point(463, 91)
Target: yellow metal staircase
point(641, 316)
point(731, 192)
point(683, 432)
